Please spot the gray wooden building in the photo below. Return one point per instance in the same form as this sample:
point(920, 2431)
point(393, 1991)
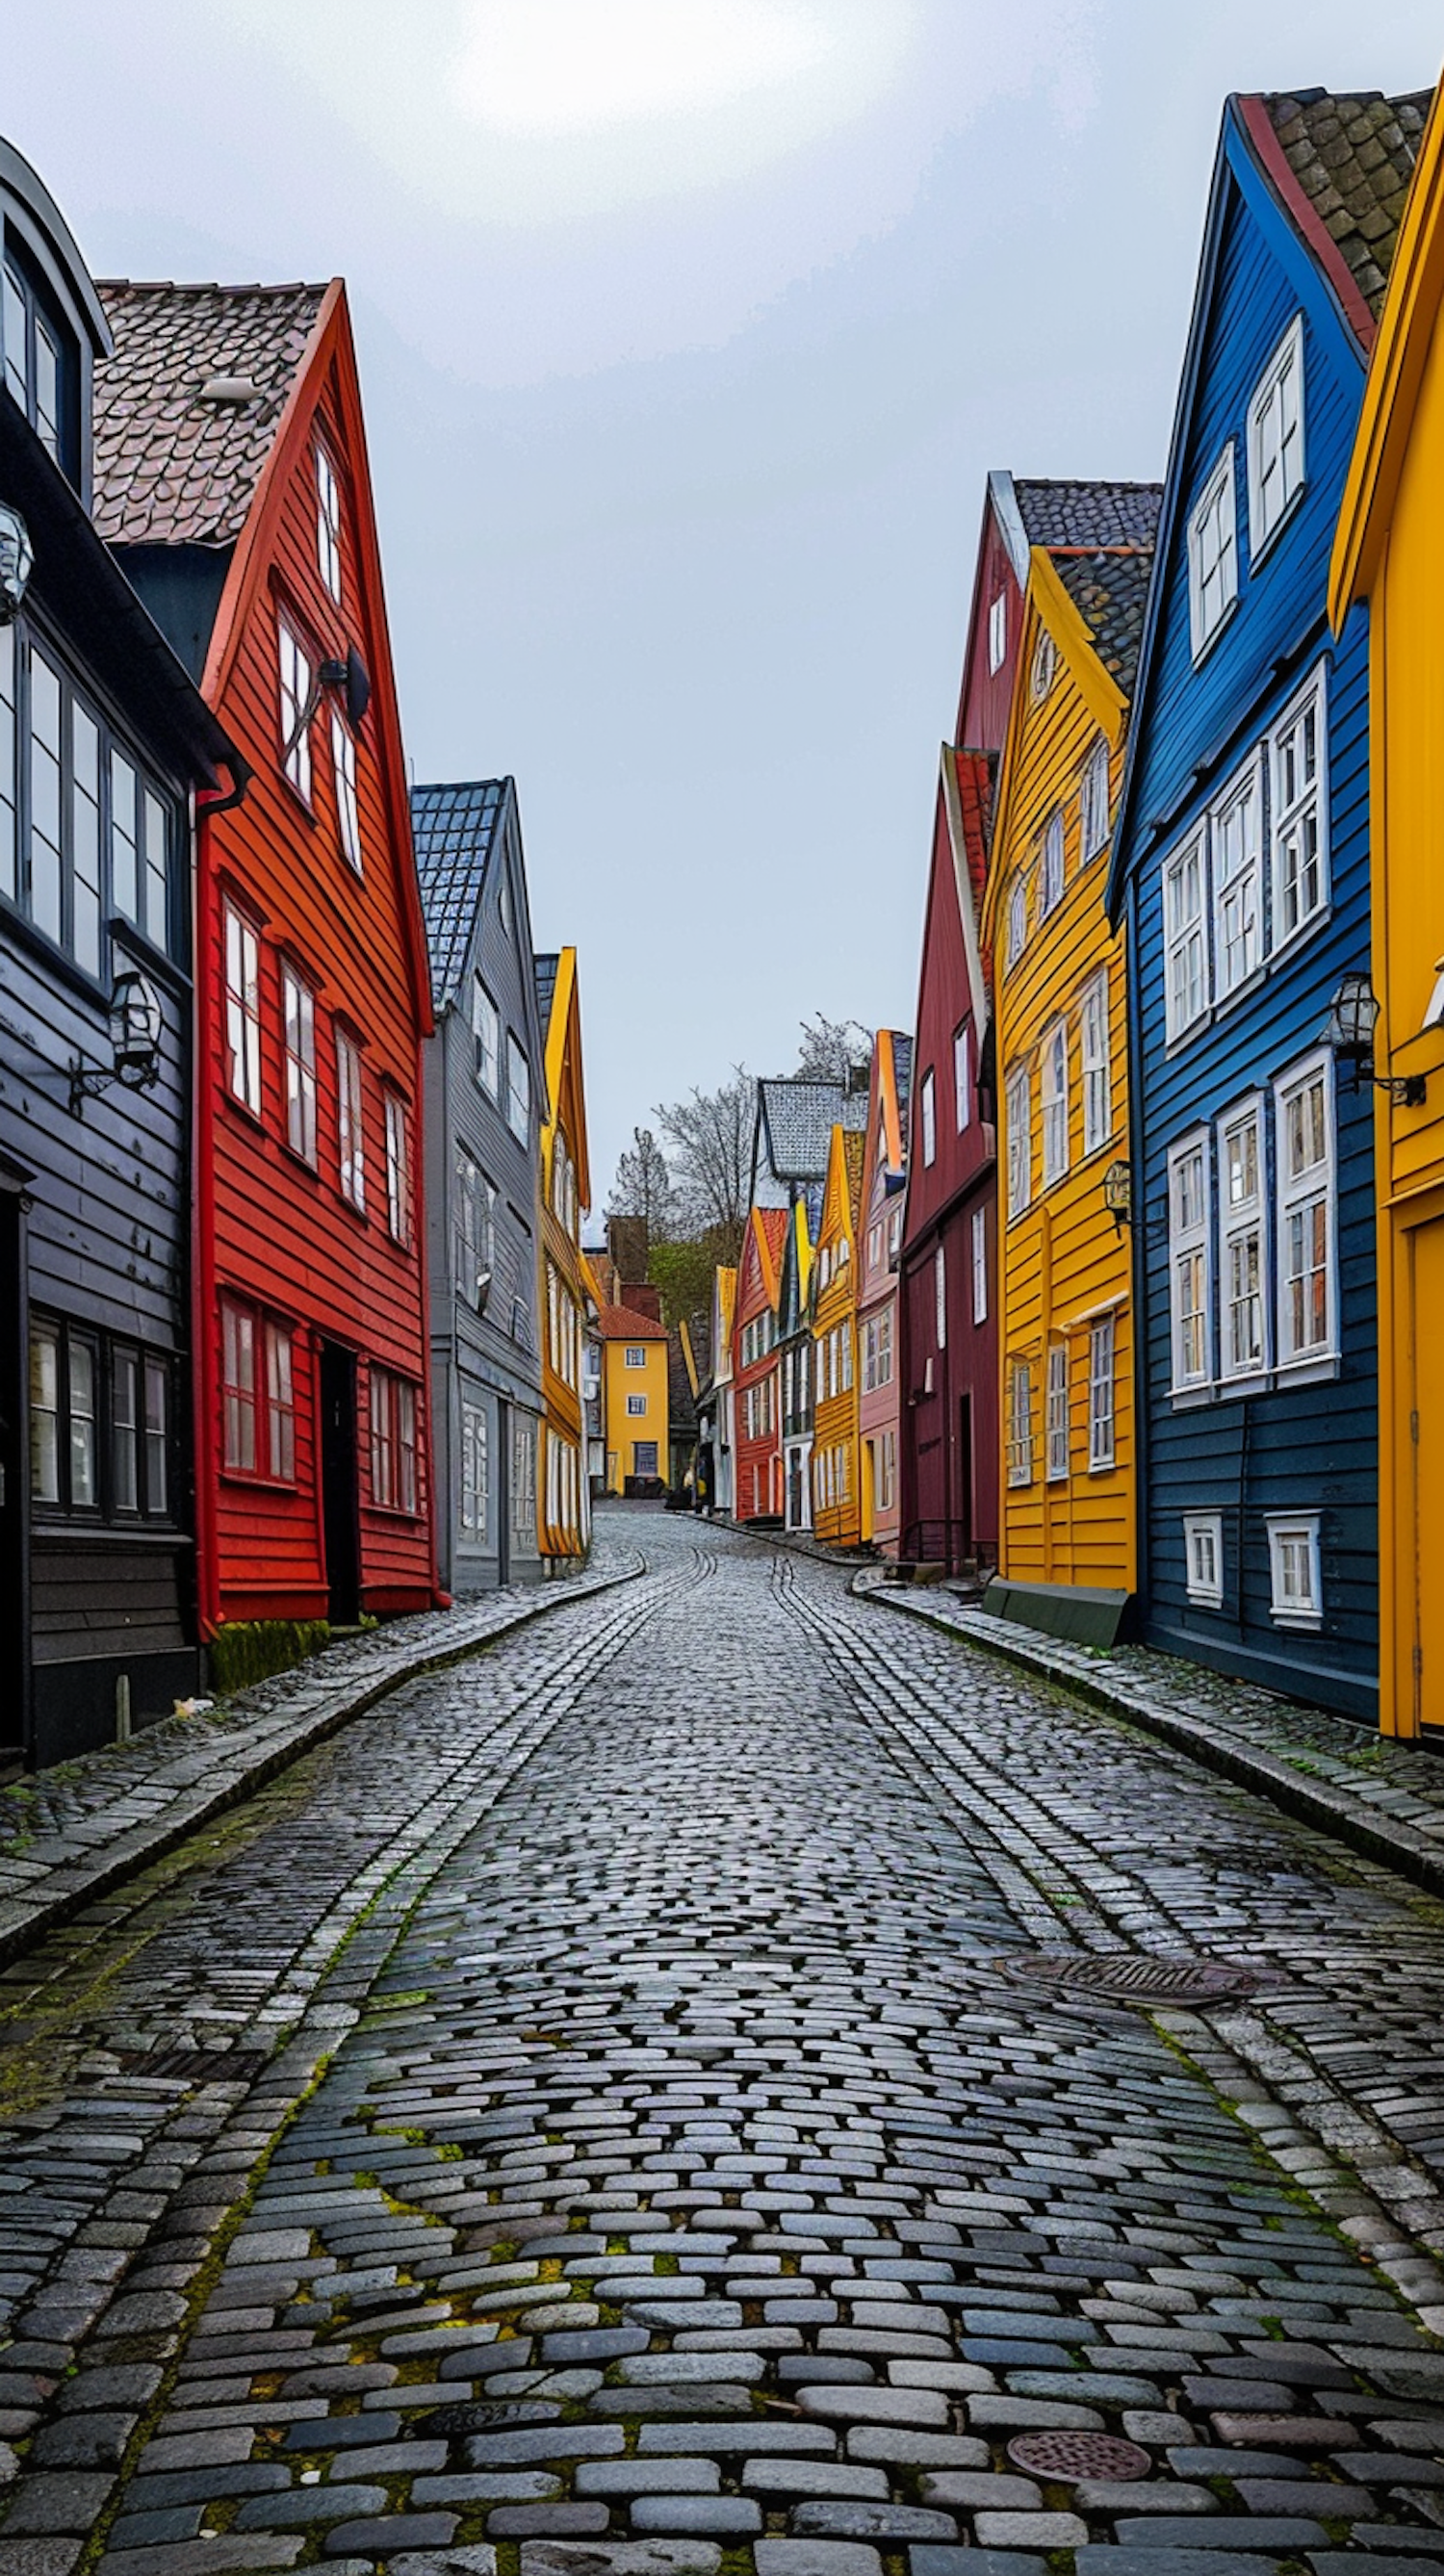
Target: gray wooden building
point(485, 1073)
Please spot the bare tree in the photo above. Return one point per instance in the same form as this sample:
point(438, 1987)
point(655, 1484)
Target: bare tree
point(710, 1136)
point(832, 1050)
point(643, 1186)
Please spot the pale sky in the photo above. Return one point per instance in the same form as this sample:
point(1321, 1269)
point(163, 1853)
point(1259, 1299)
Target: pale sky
point(689, 330)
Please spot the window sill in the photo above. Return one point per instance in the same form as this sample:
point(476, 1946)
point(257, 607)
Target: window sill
point(1199, 653)
point(1204, 1600)
point(1284, 948)
point(1256, 1382)
point(1103, 1467)
point(48, 1524)
point(398, 1512)
point(1239, 992)
point(301, 1162)
point(245, 1482)
point(1186, 1399)
point(1309, 1372)
point(295, 795)
point(252, 1117)
point(1309, 1622)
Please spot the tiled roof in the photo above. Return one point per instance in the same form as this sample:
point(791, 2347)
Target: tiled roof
point(902, 1069)
point(545, 971)
point(1088, 514)
point(171, 467)
point(624, 1324)
point(1110, 593)
point(799, 1118)
point(1353, 156)
point(976, 773)
point(455, 830)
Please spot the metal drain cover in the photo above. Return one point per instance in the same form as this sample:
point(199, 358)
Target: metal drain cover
point(1078, 2455)
point(1123, 1977)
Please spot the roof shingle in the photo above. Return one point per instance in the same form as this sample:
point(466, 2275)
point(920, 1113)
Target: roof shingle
point(455, 830)
point(1110, 593)
point(799, 1118)
point(1088, 514)
point(1353, 155)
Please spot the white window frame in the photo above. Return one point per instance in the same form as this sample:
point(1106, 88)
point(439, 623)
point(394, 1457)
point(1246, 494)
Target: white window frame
point(1097, 820)
point(1102, 1395)
point(350, 1121)
point(962, 1077)
point(1018, 1110)
point(940, 1297)
point(1240, 1220)
point(1017, 918)
point(1097, 1069)
point(298, 1051)
point(1187, 996)
point(348, 810)
point(328, 522)
point(1020, 1423)
point(636, 1406)
point(1190, 1237)
point(928, 1115)
point(1268, 514)
point(398, 1170)
point(294, 675)
point(980, 1265)
point(1057, 1425)
point(1050, 864)
point(1213, 555)
point(636, 1355)
point(1317, 1185)
point(486, 1029)
point(1292, 814)
point(1293, 1536)
point(242, 944)
point(1043, 668)
point(1053, 1053)
point(1203, 1529)
point(997, 631)
point(1238, 891)
point(475, 1445)
point(518, 1091)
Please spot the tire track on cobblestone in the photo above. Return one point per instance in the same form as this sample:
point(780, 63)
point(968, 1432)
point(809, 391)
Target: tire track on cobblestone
point(690, 2180)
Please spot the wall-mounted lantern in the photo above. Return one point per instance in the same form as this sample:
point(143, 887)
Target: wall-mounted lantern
point(1353, 1017)
point(16, 562)
point(135, 1026)
point(1118, 1194)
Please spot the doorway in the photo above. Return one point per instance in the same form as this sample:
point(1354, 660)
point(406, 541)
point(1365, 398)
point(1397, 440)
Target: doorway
point(340, 1513)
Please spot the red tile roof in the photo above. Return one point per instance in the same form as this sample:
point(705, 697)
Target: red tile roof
point(624, 1324)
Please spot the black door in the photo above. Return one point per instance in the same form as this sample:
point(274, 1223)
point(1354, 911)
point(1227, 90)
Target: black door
point(340, 1519)
point(15, 1730)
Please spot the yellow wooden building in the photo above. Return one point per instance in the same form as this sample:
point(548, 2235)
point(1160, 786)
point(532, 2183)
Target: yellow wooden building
point(836, 1477)
point(1388, 552)
point(563, 1498)
point(635, 1408)
point(1068, 1505)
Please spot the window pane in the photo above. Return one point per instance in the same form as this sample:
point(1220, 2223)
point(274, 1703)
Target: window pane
point(17, 362)
point(124, 871)
point(157, 1409)
point(47, 386)
point(124, 1431)
point(84, 1482)
point(45, 875)
point(85, 840)
point(44, 1414)
point(9, 878)
point(157, 906)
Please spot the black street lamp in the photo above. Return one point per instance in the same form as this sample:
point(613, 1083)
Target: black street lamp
point(1353, 1018)
point(134, 1025)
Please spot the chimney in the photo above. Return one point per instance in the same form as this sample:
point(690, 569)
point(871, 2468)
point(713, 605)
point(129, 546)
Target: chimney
point(627, 1244)
point(642, 1300)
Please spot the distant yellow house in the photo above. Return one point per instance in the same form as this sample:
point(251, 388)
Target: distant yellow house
point(836, 1465)
point(634, 1398)
point(1065, 1318)
point(1389, 551)
point(563, 1497)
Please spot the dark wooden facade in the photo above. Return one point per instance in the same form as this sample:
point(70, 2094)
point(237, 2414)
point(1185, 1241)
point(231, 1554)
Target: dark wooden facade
point(97, 1556)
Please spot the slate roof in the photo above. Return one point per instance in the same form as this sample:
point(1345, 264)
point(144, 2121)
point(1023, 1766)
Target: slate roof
point(1087, 514)
point(1110, 593)
point(455, 830)
point(545, 970)
point(799, 1118)
point(1353, 155)
point(170, 467)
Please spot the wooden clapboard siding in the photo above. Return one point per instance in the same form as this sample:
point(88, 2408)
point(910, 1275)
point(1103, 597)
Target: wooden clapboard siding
point(757, 1456)
point(1301, 1446)
point(835, 1276)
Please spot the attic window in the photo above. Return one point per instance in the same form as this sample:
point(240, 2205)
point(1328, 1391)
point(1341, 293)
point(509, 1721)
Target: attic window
point(232, 391)
point(1212, 556)
point(998, 631)
point(1276, 440)
point(39, 359)
point(1045, 663)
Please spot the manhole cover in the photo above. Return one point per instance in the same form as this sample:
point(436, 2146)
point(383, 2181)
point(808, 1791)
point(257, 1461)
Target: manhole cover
point(1078, 2455)
point(1122, 1977)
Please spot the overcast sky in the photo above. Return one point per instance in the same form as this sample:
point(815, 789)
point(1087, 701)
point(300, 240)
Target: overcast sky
point(689, 330)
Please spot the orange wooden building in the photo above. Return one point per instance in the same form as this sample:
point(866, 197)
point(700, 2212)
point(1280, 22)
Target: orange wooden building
point(231, 478)
point(757, 1476)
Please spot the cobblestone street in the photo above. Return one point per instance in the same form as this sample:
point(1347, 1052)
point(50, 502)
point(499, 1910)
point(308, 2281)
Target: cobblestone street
point(594, 2113)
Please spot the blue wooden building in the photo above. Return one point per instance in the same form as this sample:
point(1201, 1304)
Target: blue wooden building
point(1241, 867)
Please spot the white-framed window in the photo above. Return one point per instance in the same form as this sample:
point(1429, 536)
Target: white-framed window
point(1305, 1160)
point(1101, 1400)
point(940, 1297)
point(1017, 919)
point(398, 1170)
point(1188, 1261)
point(998, 631)
point(1185, 933)
point(350, 1129)
point(1276, 441)
point(885, 1471)
point(877, 1350)
point(844, 1343)
point(928, 1110)
point(1203, 1558)
point(295, 679)
point(518, 1091)
point(348, 811)
point(1236, 832)
point(636, 1355)
point(1300, 834)
point(475, 1198)
point(1212, 555)
point(1020, 1423)
point(1097, 821)
point(1045, 663)
point(636, 1404)
point(1057, 1412)
point(979, 1248)
point(243, 1010)
point(1297, 1581)
point(1017, 1104)
point(962, 1077)
point(1242, 1243)
point(1097, 1074)
point(298, 1024)
point(523, 1481)
point(1050, 865)
point(1054, 1051)
point(486, 1027)
point(328, 522)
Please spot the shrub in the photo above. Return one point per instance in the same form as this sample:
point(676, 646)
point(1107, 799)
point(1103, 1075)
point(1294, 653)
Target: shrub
point(249, 1650)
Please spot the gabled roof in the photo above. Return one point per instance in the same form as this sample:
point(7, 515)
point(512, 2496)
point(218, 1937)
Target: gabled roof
point(1396, 376)
point(854, 1154)
point(796, 1120)
point(455, 830)
point(1110, 593)
point(1351, 156)
point(624, 1324)
point(892, 1083)
point(765, 1235)
point(559, 1005)
point(174, 466)
point(1086, 514)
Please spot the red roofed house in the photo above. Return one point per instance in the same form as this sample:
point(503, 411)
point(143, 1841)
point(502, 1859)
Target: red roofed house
point(635, 1410)
point(757, 1473)
point(231, 480)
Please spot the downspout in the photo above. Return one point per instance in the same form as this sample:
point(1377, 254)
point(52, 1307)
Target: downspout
point(203, 1204)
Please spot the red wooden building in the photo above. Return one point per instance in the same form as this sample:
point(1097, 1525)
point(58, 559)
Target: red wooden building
point(231, 478)
point(757, 1438)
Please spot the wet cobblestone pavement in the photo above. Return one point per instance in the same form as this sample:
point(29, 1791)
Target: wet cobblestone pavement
point(593, 2117)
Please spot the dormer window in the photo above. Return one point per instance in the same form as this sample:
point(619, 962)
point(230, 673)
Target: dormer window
point(998, 632)
point(328, 523)
point(1212, 556)
point(1276, 440)
point(37, 358)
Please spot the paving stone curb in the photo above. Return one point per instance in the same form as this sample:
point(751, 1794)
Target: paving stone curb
point(1397, 1845)
point(68, 1887)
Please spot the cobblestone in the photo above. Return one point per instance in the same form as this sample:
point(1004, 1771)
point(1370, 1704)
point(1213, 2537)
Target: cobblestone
point(627, 2022)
